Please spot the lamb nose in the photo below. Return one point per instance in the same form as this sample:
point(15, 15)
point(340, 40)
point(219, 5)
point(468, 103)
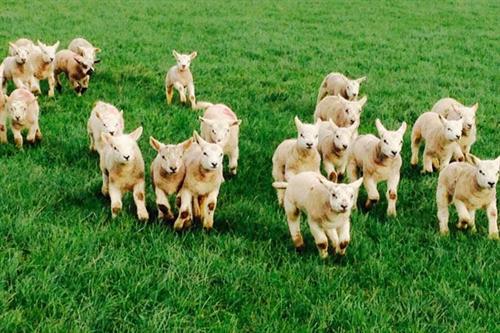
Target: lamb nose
point(173, 169)
point(112, 133)
point(345, 146)
point(343, 206)
point(127, 157)
point(458, 137)
point(491, 184)
point(394, 152)
point(214, 164)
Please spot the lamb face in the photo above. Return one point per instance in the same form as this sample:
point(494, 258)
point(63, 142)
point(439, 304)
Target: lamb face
point(48, 52)
point(352, 87)
point(123, 147)
point(85, 64)
point(468, 115)
point(352, 109)
point(391, 142)
point(307, 134)
point(171, 155)
point(219, 130)
point(184, 60)
point(110, 123)
point(21, 53)
point(487, 172)
point(211, 154)
point(342, 196)
point(342, 136)
point(18, 111)
point(452, 128)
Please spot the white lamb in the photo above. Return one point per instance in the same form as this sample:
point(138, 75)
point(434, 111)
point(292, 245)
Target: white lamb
point(220, 125)
point(104, 118)
point(338, 84)
point(293, 156)
point(84, 48)
point(333, 146)
point(17, 68)
point(180, 78)
point(201, 184)
point(440, 135)
point(167, 172)
point(42, 62)
point(469, 187)
point(379, 160)
point(451, 109)
point(21, 107)
point(343, 112)
point(122, 170)
point(328, 207)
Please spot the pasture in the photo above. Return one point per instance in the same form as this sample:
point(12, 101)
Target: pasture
point(66, 266)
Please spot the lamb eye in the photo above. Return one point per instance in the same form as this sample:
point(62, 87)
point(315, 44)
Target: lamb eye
point(213, 131)
point(481, 172)
point(301, 135)
point(334, 195)
point(163, 157)
point(221, 155)
point(115, 148)
point(337, 136)
point(385, 141)
point(347, 111)
point(205, 153)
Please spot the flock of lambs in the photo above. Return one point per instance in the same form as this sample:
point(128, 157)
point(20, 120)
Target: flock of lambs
point(193, 169)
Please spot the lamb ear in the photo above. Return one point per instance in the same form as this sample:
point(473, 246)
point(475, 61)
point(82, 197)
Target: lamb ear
point(356, 184)
point(333, 125)
point(42, 45)
point(298, 123)
point(475, 107)
point(56, 45)
point(157, 145)
point(97, 50)
point(14, 47)
point(442, 120)
point(342, 99)
point(474, 160)
point(402, 128)
point(78, 59)
point(198, 139)
point(186, 144)
point(98, 115)
point(236, 123)
point(361, 79)
point(136, 134)
point(106, 138)
point(193, 55)
point(175, 54)
point(380, 128)
point(362, 101)
point(328, 184)
point(206, 121)
point(354, 126)
point(317, 124)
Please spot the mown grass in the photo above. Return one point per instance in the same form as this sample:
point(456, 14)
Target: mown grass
point(65, 266)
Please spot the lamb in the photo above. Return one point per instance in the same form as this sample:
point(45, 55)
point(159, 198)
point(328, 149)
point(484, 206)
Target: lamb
point(104, 118)
point(333, 146)
point(198, 195)
point(379, 160)
point(23, 110)
point(17, 68)
point(338, 84)
point(41, 60)
point(84, 48)
point(451, 109)
point(76, 68)
point(220, 125)
point(2, 95)
point(297, 155)
point(122, 169)
point(440, 135)
point(180, 78)
point(328, 207)
point(167, 172)
point(469, 187)
point(343, 112)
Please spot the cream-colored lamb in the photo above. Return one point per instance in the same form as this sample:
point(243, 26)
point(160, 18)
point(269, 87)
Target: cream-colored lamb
point(220, 125)
point(440, 135)
point(379, 160)
point(469, 187)
point(201, 185)
point(180, 78)
point(76, 68)
point(122, 170)
point(17, 68)
point(84, 48)
point(338, 84)
point(293, 156)
point(328, 207)
point(343, 112)
point(41, 60)
point(333, 146)
point(167, 172)
point(21, 107)
point(451, 109)
point(2, 95)
point(104, 118)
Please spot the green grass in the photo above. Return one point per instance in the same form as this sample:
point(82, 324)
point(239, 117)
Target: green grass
point(65, 266)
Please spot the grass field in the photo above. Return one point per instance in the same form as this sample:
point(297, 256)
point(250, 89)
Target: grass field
point(65, 266)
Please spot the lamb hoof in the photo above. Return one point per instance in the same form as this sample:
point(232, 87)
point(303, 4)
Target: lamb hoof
point(445, 232)
point(494, 236)
point(370, 203)
point(391, 213)
point(115, 211)
point(178, 225)
point(333, 177)
point(233, 171)
point(143, 216)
